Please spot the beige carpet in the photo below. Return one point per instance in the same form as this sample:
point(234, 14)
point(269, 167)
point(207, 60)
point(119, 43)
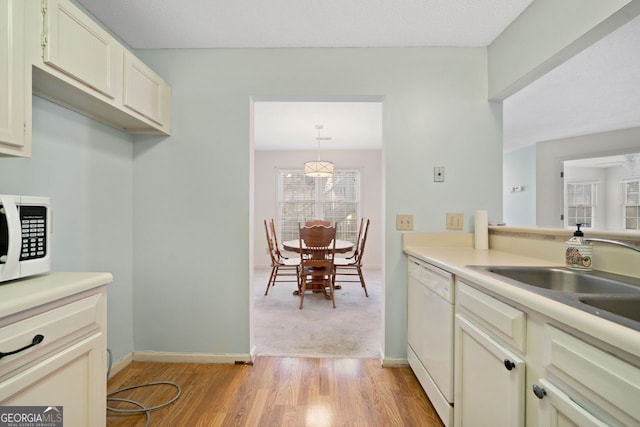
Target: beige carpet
point(351, 330)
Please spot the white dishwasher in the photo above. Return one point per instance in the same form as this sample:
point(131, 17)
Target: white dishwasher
point(430, 333)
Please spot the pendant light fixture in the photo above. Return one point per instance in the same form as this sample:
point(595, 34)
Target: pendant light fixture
point(319, 168)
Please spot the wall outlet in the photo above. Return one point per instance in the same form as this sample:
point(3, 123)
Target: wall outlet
point(455, 221)
point(404, 222)
point(438, 174)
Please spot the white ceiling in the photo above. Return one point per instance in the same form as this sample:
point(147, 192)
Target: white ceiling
point(631, 159)
point(305, 23)
point(595, 91)
point(291, 125)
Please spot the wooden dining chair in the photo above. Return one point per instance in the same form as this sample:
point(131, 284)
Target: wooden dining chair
point(274, 236)
point(355, 248)
point(352, 266)
point(282, 269)
point(314, 222)
point(317, 250)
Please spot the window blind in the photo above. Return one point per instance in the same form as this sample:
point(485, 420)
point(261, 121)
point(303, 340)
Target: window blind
point(581, 201)
point(631, 191)
point(302, 198)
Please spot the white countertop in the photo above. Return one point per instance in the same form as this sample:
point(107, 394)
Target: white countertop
point(454, 260)
point(23, 294)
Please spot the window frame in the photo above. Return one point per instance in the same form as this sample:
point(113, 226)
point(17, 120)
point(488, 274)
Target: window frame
point(624, 183)
point(347, 228)
point(594, 185)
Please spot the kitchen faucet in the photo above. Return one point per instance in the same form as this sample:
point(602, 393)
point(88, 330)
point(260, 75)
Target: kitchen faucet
point(613, 242)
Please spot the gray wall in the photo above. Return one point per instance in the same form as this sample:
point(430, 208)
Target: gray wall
point(542, 163)
point(86, 169)
point(520, 170)
point(551, 154)
point(192, 208)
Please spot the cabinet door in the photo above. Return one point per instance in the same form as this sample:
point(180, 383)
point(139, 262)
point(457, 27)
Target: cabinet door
point(81, 49)
point(594, 375)
point(556, 409)
point(144, 91)
point(13, 138)
point(73, 378)
point(489, 386)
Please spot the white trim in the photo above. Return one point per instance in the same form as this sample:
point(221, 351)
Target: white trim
point(120, 365)
point(395, 363)
point(152, 356)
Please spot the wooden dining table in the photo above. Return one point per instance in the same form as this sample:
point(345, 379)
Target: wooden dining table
point(342, 246)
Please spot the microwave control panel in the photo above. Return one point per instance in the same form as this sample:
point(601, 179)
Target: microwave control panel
point(33, 221)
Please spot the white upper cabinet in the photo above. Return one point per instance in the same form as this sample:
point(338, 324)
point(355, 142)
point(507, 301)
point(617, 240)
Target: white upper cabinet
point(144, 91)
point(15, 84)
point(78, 47)
point(79, 65)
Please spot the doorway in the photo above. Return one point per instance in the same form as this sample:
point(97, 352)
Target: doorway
point(284, 137)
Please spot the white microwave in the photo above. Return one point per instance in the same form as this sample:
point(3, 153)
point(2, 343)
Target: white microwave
point(25, 236)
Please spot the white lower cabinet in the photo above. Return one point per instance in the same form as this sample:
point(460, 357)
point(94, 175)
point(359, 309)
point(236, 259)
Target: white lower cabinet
point(557, 409)
point(489, 367)
point(69, 380)
point(53, 354)
point(585, 385)
point(515, 366)
point(489, 380)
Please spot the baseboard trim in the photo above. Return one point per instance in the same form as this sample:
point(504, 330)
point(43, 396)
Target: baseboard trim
point(394, 363)
point(120, 365)
point(152, 356)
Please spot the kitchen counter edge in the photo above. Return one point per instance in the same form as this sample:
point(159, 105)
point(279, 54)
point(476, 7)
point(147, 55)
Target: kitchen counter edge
point(23, 294)
point(454, 260)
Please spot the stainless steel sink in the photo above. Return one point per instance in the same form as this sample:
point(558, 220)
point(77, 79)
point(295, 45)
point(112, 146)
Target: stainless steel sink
point(610, 296)
point(622, 305)
point(566, 280)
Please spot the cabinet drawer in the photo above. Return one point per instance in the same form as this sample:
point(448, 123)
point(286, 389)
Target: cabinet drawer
point(501, 320)
point(603, 379)
point(57, 326)
point(73, 378)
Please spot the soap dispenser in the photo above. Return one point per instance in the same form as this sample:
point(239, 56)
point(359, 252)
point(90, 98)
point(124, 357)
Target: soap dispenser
point(579, 254)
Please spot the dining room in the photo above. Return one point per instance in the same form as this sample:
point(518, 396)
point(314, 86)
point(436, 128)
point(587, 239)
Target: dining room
point(283, 193)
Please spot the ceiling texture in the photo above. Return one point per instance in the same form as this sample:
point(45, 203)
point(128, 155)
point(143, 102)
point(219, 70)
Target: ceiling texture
point(598, 90)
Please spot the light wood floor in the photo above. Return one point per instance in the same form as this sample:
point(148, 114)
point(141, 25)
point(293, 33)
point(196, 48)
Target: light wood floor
point(277, 391)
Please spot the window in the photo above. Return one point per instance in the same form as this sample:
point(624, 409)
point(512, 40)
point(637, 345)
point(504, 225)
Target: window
point(302, 198)
point(631, 197)
point(581, 200)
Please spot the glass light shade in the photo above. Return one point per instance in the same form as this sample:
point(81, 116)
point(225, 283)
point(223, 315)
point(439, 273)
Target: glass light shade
point(318, 169)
